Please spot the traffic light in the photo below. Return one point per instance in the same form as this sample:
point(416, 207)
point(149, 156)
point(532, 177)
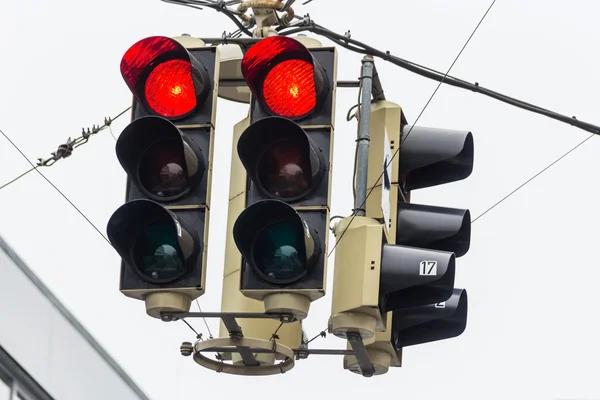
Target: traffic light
point(283, 162)
point(161, 232)
point(400, 258)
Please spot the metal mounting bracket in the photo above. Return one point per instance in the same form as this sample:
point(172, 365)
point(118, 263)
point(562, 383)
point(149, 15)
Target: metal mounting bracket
point(248, 348)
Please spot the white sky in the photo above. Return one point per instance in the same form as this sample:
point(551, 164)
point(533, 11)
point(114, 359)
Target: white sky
point(532, 270)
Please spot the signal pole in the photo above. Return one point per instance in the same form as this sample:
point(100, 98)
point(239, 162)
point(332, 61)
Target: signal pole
point(364, 124)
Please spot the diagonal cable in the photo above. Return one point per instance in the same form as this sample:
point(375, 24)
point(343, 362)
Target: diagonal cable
point(54, 186)
point(413, 125)
point(18, 177)
point(210, 336)
point(533, 177)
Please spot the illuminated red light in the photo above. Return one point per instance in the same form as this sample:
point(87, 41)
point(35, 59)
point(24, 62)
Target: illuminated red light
point(170, 90)
point(287, 87)
point(167, 88)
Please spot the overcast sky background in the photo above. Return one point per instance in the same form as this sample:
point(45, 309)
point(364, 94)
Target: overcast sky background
point(531, 274)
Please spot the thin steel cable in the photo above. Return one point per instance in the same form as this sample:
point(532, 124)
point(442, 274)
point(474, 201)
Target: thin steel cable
point(220, 7)
point(414, 124)
point(210, 336)
point(198, 335)
point(107, 123)
point(533, 177)
point(443, 79)
point(322, 334)
point(111, 134)
point(274, 334)
point(362, 48)
point(54, 186)
point(18, 177)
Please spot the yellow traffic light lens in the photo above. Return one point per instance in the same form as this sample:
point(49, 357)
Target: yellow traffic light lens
point(283, 172)
point(278, 253)
point(157, 254)
point(163, 170)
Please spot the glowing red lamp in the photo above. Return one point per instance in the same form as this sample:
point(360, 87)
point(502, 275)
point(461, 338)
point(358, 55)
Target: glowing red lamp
point(164, 77)
point(284, 77)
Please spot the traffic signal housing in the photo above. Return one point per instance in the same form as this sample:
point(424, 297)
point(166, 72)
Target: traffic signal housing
point(378, 277)
point(284, 159)
point(401, 256)
point(173, 78)
point(161, 232)
point(232, 299)
point(294, 78)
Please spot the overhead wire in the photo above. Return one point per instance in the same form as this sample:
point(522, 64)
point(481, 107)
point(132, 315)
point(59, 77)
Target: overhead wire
point(220, 6)
point(18, 177)
point(359, 47)
point(533, 177)
point(181, 3)
point(345, 41)
point(54, 186)
point(65, 150)
point(205, 323)
point(198, 335)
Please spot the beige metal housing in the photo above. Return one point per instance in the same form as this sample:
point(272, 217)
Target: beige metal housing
point(385, 118)
point(233, 300)
point(298, 301)
point(179, 300)
point(231, 69)
point(358, 254)
point(354, 306)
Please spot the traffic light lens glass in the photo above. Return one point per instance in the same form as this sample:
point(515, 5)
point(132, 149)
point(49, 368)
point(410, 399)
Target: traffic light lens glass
point(163, 169)
point(289, 89)
point(158, 255)
point(277, 252)
point(283, 171)
point(170, 89)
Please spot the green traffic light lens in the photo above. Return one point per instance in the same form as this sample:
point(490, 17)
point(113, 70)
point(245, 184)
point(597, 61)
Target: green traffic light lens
point(157, 254)
point(279, 253)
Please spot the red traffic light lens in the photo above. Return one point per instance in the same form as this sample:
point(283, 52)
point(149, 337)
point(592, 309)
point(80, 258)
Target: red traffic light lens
point(283, 172)
point(170, 90)
point(289, 89)
point(159, 73)
point(281, 74)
